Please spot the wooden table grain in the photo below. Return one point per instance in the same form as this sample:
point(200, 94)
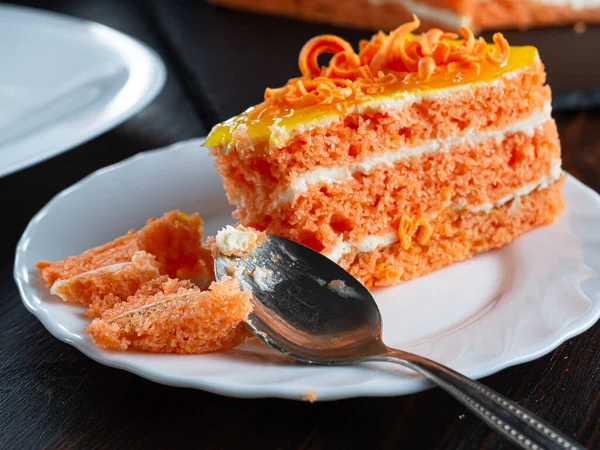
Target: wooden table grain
point(52, 396)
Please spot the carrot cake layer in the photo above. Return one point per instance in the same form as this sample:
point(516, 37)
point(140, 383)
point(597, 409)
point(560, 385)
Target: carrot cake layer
point(450, 14)
point(454, 236)
point(408, 128)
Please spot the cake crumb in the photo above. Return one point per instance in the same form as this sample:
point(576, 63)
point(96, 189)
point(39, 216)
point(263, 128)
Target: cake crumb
point(579, 27)
point(342, 289)
point(230, 270)
point(461, 417)
point(237, 241)
point(309, 396)
point(264, 278)
point(336, 284)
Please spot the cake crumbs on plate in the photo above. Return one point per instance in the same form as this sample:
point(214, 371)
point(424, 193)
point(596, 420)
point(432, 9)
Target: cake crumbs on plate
point(310, 396)
point(153, 290)
point(579, 27)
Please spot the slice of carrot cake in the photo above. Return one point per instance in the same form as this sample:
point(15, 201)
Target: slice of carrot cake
point(415, 152)
point(450, 14)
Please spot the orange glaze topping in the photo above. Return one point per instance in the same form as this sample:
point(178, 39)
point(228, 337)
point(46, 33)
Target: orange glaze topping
point(387, 66)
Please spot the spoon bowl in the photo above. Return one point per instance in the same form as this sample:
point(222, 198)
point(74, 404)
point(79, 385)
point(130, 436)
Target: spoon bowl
point(309, 308)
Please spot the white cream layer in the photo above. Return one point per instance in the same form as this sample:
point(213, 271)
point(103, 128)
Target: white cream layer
point(341, 173)
point(425, 11)
point(373, 242)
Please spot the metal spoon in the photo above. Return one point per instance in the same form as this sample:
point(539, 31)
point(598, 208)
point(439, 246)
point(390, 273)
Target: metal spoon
point(309, 308)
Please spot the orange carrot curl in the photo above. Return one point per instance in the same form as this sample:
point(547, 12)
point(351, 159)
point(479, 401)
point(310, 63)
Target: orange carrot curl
point(383, 60)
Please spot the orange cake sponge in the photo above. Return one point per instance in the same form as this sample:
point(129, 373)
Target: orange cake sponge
point(372, 157)
point(168, 245)
point(454, 237)
point(175, 316)
point(117, 251)
point(103, 287)
point(175, 239)
point(450, 14)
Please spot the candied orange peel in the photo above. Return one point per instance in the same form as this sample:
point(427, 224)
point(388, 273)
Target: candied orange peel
point(383, 60)
point(408, 229)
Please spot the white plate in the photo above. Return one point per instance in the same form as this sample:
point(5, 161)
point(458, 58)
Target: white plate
point(496, 310)
point(65, 81)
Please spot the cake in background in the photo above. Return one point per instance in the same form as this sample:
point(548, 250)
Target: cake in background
point(415, 152)
point(449, 14)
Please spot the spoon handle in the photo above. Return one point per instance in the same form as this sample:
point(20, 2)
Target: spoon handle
point(504, 416)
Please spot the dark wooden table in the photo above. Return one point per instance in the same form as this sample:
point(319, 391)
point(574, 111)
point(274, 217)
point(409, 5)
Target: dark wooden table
point(51, 396)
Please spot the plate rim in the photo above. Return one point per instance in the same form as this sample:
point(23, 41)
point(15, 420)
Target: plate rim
point(574, 328)
point(155, 87)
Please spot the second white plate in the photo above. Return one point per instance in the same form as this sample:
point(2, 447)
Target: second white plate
point(65, 81)
point(498, 309)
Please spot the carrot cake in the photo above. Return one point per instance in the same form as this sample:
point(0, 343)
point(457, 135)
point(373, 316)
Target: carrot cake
point(415, 152)
point(450, 14)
